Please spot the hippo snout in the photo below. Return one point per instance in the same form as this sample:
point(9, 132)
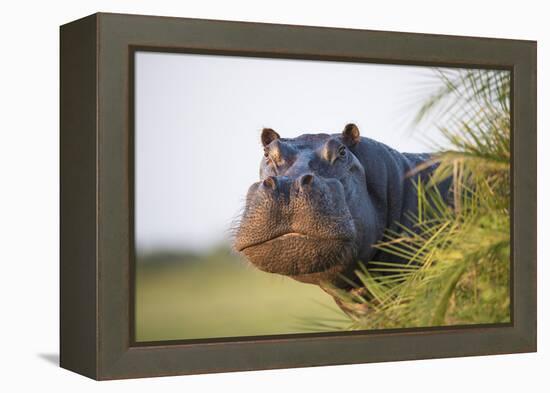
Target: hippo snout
point(284, 186)
point(284, 183)
point(296, 225)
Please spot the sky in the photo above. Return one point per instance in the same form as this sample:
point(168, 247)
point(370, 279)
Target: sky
point(199, 118)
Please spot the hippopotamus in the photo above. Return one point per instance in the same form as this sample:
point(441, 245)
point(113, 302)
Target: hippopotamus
point(322, 203)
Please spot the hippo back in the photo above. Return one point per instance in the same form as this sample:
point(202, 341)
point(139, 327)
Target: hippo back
point(391, 180)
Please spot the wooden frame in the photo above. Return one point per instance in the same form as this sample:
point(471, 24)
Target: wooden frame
point(97, 195)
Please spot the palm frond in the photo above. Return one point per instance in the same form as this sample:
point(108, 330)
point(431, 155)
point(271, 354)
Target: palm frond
point(457, 258)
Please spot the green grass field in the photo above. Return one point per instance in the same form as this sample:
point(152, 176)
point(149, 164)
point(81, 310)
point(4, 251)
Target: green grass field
point(218, 295)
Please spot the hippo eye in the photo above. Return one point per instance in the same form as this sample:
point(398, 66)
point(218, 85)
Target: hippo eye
point(342, 151)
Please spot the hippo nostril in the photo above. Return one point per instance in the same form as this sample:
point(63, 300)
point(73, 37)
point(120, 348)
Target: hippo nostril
point(270, 182)
point(306, 180)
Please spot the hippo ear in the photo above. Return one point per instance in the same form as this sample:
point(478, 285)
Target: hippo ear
point(268, 136)
point(350, 135)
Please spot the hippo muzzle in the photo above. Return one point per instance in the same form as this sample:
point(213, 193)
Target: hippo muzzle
point(297, 226)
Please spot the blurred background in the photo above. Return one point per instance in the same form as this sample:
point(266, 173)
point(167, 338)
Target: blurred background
point(198, 121)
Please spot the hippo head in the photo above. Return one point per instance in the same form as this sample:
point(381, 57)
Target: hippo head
point(309, 216)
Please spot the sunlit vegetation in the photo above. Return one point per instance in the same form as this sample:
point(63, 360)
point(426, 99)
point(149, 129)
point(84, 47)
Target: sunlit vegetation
point(453, 267)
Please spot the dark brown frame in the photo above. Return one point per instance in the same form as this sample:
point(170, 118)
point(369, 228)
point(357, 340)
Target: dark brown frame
point(96, 268)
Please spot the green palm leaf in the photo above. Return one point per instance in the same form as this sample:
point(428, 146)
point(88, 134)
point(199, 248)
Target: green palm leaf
point(457, 259)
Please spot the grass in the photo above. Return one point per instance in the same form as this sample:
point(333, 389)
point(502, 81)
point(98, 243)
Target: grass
point(216, 294)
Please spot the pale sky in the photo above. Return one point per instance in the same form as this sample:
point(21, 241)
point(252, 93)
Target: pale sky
point(198, 123)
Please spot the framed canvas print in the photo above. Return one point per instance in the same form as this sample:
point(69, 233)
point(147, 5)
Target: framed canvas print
point(241, 196)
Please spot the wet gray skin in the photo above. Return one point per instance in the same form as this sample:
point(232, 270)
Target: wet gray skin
point(322, 202)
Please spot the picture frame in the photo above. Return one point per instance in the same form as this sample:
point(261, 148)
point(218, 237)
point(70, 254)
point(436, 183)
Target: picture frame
point(97, 187)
